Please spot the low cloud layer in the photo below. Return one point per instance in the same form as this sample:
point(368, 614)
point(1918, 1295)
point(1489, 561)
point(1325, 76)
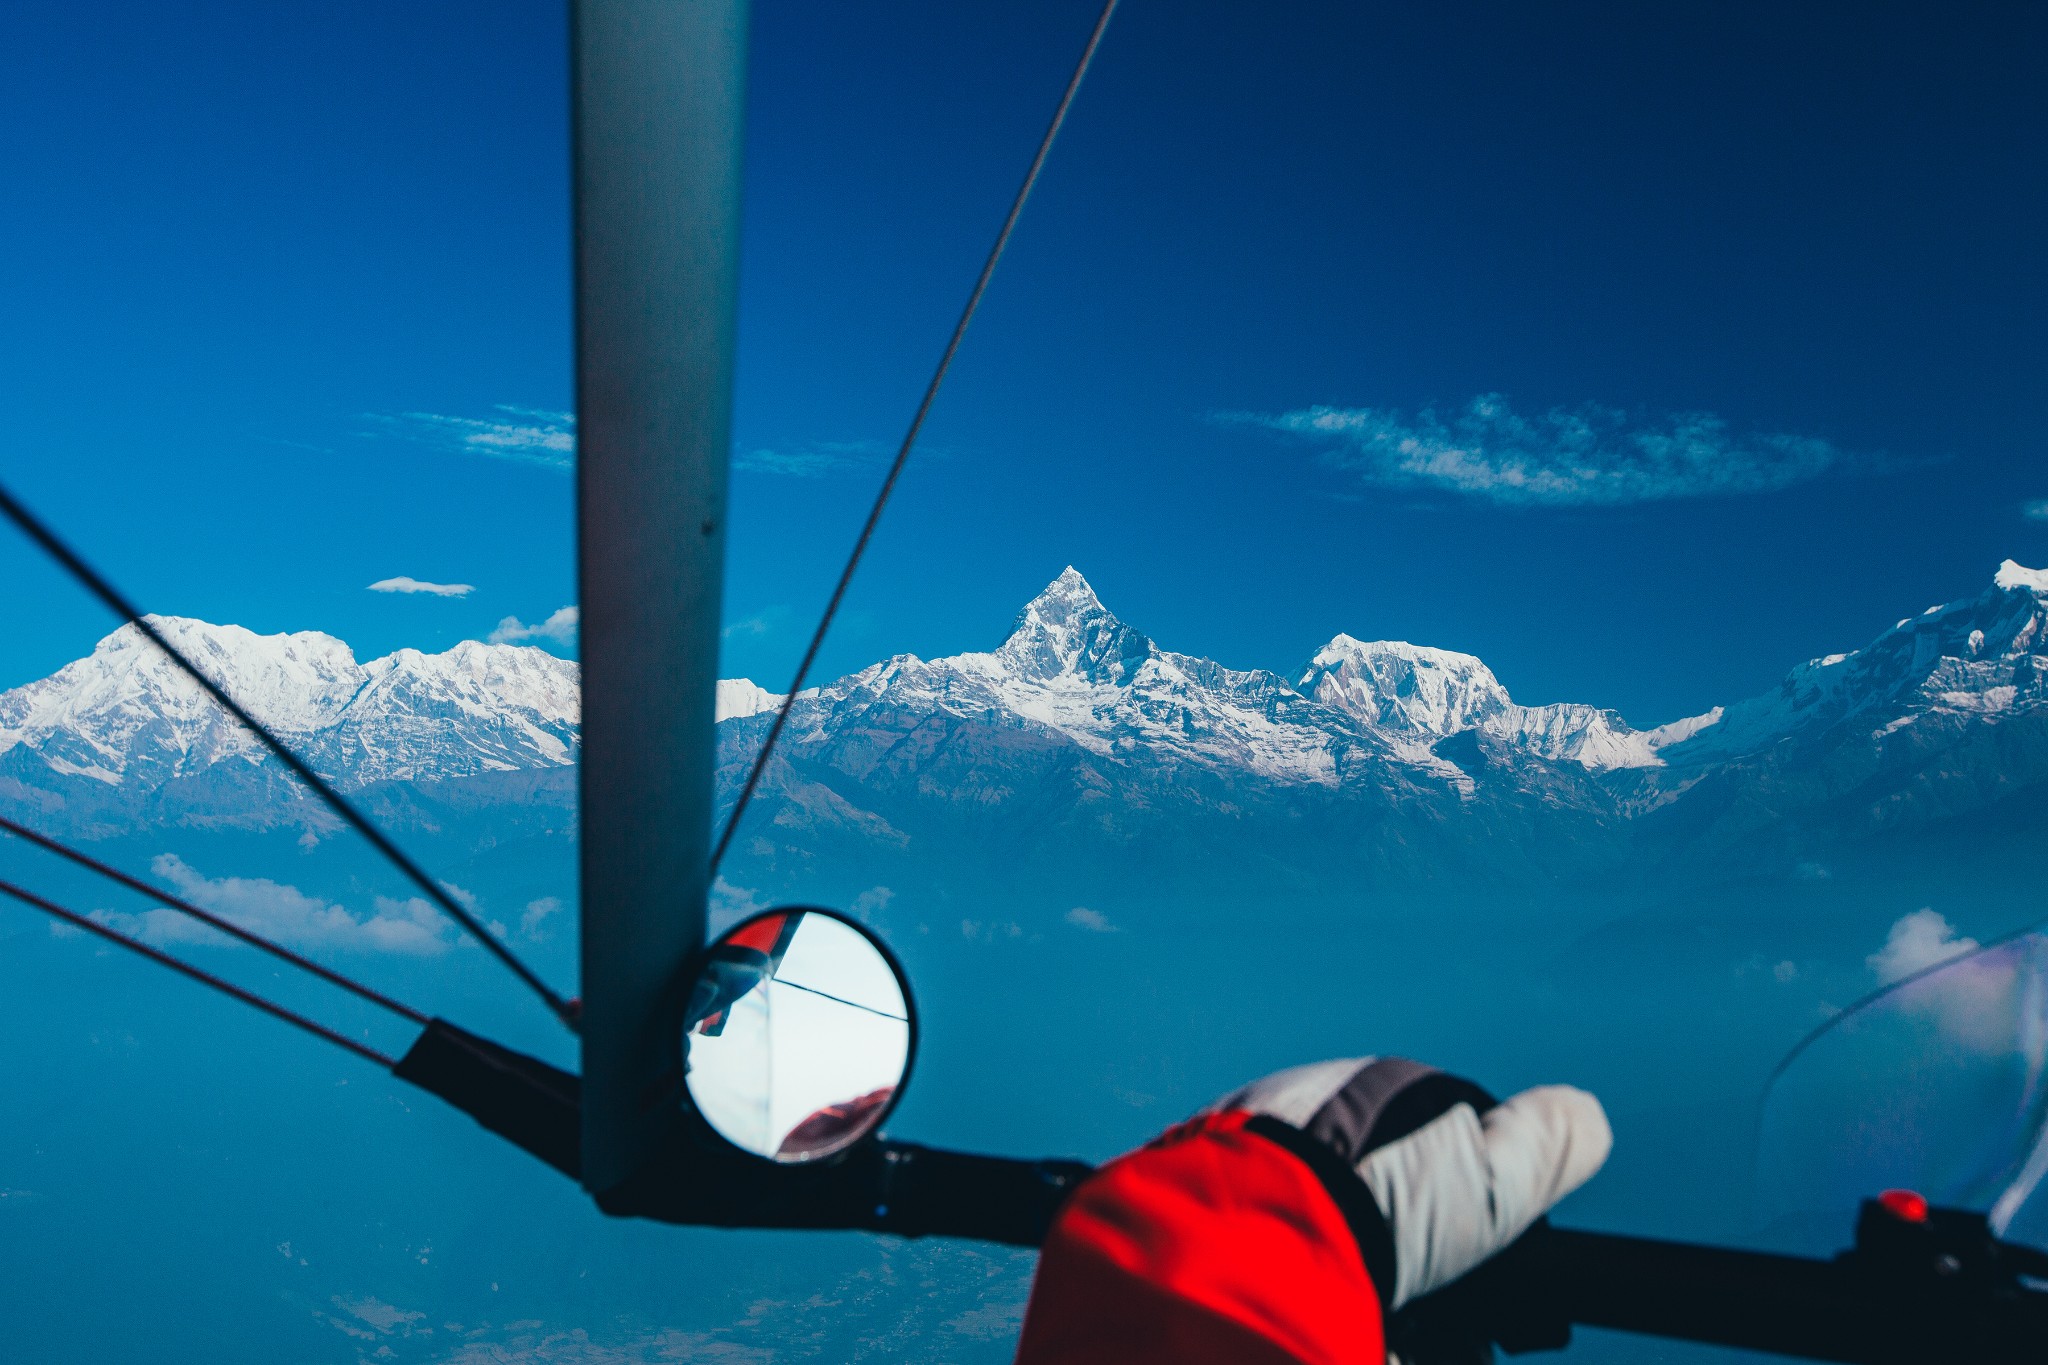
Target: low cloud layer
point(403, 584)
point(525, 435)
point(1583, 456)
point(284, 914)
point(1915, 943)
point(2036, 510)
point(560, 627)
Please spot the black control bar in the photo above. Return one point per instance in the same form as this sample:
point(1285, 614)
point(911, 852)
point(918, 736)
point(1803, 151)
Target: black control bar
point(1938, 1289)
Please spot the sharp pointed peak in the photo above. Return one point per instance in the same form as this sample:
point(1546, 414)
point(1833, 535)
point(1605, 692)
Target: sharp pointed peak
point(1068, 586)
point(1066, 629)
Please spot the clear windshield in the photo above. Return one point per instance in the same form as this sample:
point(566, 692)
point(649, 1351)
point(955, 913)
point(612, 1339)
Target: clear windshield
point(1936, 1085)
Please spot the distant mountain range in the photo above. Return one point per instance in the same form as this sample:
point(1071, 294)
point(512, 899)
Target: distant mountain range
point(1395, 758)
point(1078, 730)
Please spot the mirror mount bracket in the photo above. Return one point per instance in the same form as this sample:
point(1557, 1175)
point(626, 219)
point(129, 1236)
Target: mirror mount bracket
point(880, 1185)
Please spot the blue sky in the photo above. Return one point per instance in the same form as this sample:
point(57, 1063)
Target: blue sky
point(1643, 351)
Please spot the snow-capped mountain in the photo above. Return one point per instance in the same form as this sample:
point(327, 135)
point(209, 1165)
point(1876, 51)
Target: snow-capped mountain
point(1078, 720)
point(1070, 667)
point(1417, 696)
point(1076, 714)
point(125, 716)
point(1982, 657)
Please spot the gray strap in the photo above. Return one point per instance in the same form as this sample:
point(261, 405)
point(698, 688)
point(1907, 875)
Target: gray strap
point(1345, 1122)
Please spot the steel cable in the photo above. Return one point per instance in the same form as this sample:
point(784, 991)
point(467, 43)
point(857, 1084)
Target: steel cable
point(93, 926)
point(212, 920)
point(931, 392)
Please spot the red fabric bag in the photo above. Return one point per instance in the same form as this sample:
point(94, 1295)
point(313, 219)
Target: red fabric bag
point(1211, 1244)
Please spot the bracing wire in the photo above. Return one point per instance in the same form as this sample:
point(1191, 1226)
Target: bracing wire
point(90, 579)
point(207, 917)
point(836, 999)
point(931, 392)
point(93, 926)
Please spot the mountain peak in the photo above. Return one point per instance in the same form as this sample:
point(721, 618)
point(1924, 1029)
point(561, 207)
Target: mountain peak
point(1069, 587)
point(2011, 575)
point(1066, 630)
point(1406, 689)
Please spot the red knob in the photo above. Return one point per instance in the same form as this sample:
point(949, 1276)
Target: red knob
point(1905, 1205)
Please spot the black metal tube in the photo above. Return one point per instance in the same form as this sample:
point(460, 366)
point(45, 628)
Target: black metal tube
point(1821, 1310)
point(1843, 1310)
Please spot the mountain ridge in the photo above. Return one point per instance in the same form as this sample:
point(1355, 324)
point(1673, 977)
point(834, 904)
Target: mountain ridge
point(1071, 689)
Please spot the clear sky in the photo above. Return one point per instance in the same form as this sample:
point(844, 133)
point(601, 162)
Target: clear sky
point(1641, 350)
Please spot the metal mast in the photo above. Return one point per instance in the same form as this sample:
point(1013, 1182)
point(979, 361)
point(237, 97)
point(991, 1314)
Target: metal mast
point(657, 103)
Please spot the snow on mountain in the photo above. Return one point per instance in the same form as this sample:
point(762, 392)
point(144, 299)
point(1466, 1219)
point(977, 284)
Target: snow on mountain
point(1418, 695)
point(2017, 578)
point(1386, 716)
point(126, 715)
point(476, 708)
point(1983, 657)
point(739, 698)
point(1071, 667)
point(1380, 712)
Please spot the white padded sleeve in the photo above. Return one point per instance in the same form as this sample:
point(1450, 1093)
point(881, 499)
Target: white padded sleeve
point(1460, 1188)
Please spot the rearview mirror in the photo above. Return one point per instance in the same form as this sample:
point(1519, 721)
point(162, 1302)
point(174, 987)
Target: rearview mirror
point(799, 1035)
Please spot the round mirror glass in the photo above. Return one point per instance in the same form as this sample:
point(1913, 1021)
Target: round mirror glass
point(798, 1036)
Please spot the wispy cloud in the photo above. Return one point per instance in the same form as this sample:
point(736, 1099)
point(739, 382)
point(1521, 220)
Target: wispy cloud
point(542, 437)
point(2036, 510)
point(560, 627)
point(418, 585)
point(533, 920)
point(809, 460)
point(760, 623)
point(1094, 921)
point(1583, 456)
point(1915, 943)
point(525, 435)
point(284, 914)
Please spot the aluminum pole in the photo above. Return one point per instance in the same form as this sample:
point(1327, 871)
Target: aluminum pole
point(657, 104)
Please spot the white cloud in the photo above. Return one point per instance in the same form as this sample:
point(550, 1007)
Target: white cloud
point(2037, 510)
point(1094, 921)
point(543, 437)
point(283, 914)
point(416, 585)
point(730, 904)
point(1588, 455)
point(537, 913)
point(1915, 943)
point(526, 435)
point(560, 627)
point(811, 460)
point(759, 624)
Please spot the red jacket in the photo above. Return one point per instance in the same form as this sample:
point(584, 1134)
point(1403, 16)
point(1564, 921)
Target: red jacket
point(1213, 1245)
